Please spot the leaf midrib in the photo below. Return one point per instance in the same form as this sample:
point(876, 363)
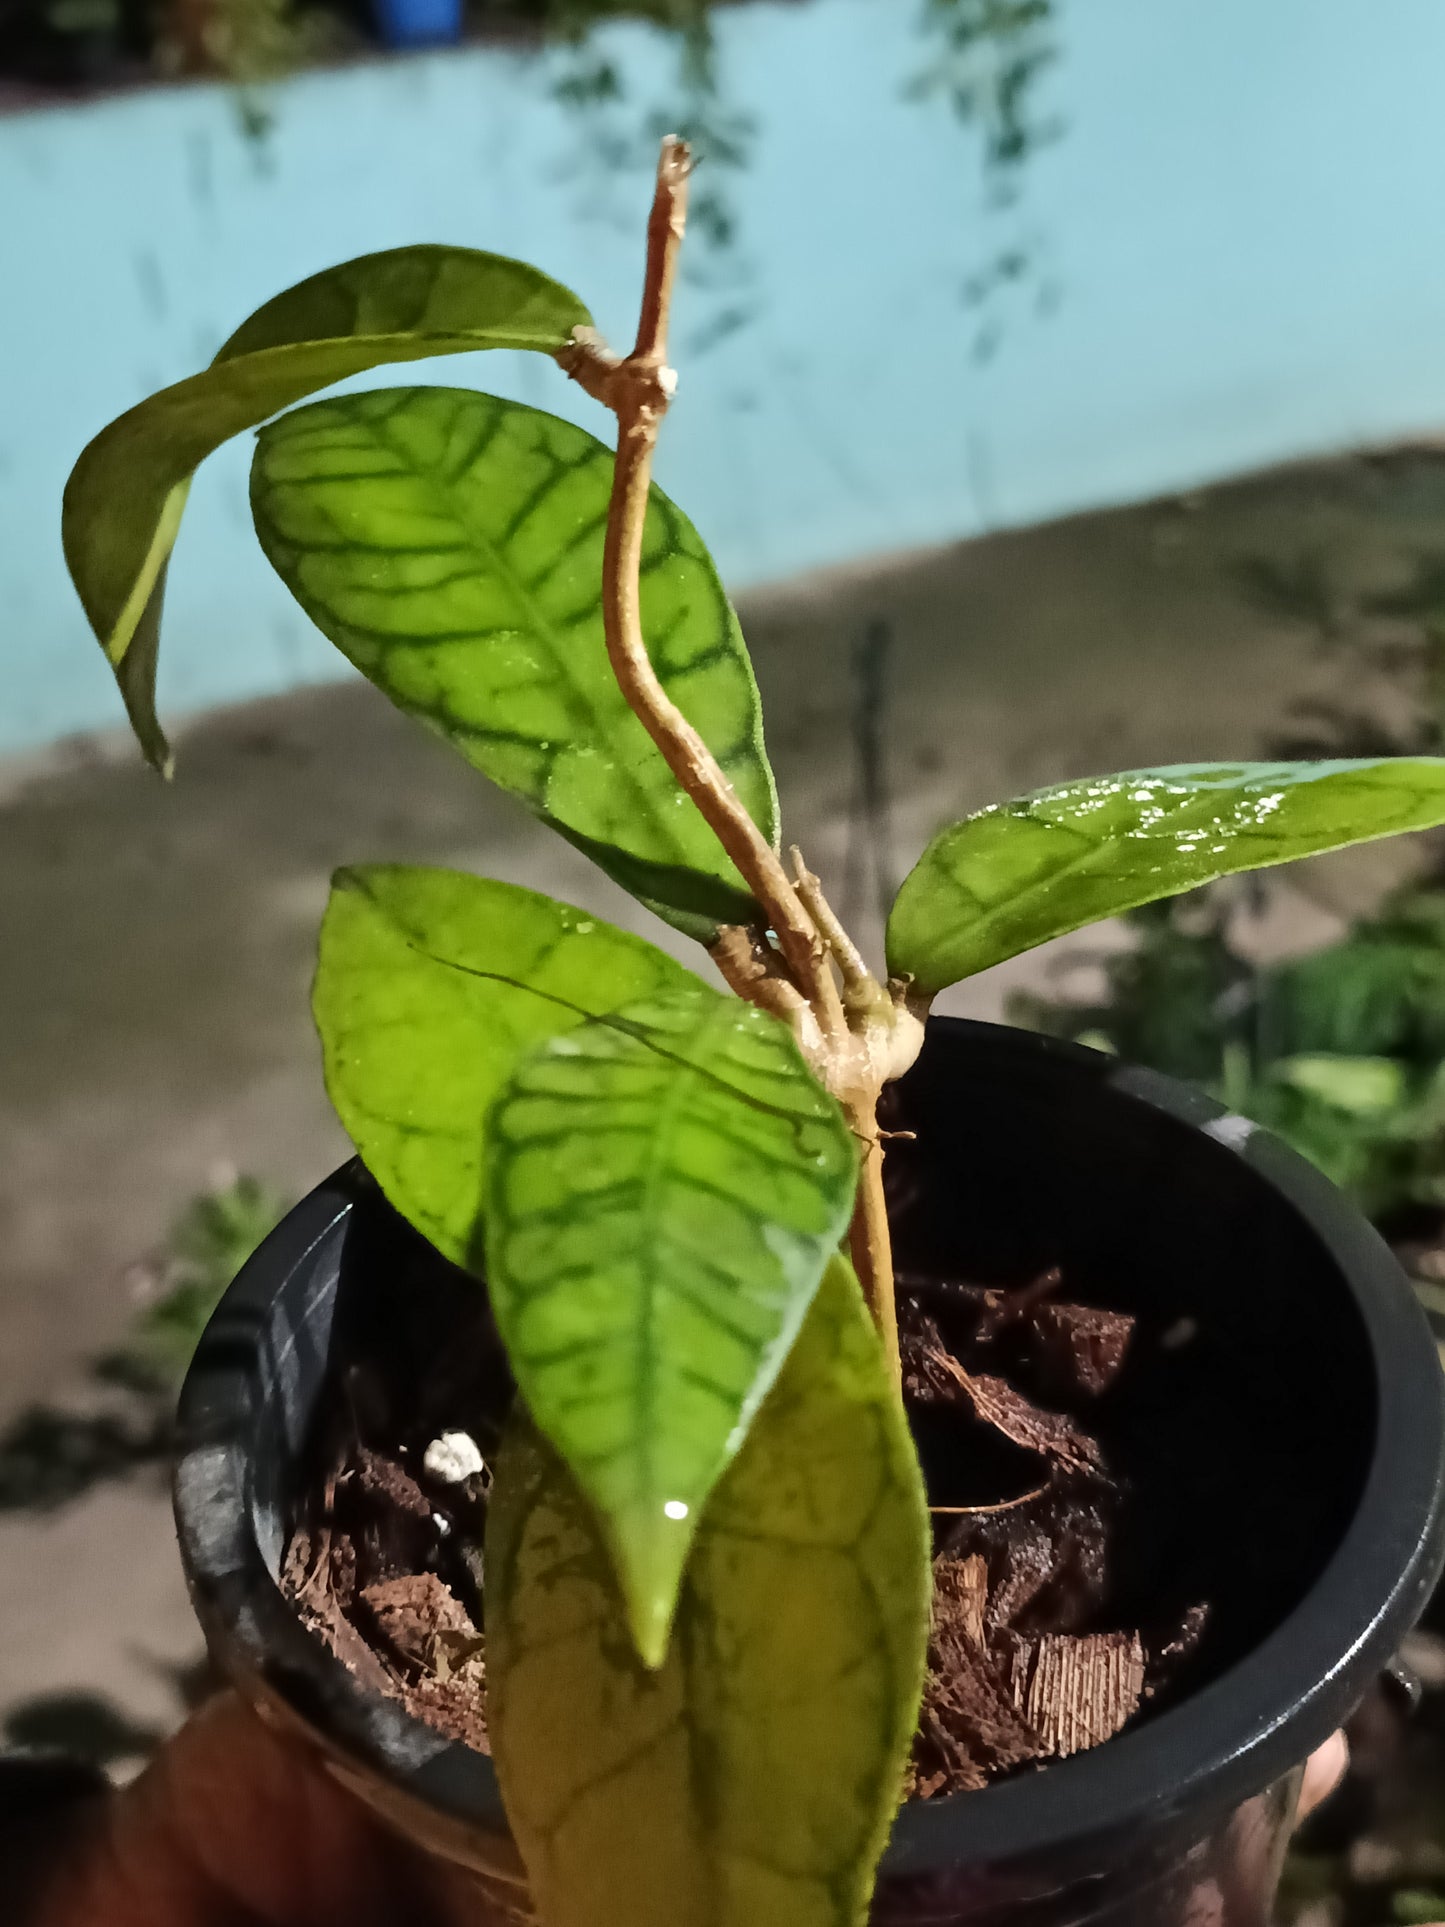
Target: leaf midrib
point(660, 1173)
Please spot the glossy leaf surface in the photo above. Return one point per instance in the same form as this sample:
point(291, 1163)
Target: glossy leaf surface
point(450, 544)
point(430, 985)
point(124, 500)
point(1018, 873)
point(752, 1780)
point(663, 1191)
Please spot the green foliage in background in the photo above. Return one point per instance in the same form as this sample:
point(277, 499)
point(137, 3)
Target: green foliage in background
point(989, 57)
point(569, 17)
point(208, 1244)
point(1341, 1052)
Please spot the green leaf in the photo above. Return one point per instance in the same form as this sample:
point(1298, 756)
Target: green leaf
point(664, 1188)
point(430, 985)
point(1412, 1905)
point(752, 1780)
point(125, 497)
point(1362, 1086)
point(1018, 873)
point(450, 545)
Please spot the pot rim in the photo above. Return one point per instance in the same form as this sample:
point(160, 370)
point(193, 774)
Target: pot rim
point(1228, 1740)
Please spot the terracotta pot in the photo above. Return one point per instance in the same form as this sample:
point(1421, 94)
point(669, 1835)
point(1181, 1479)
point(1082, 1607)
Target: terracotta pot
point(1282, 1417)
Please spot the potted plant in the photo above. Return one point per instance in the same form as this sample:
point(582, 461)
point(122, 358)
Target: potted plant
point(553, 1470)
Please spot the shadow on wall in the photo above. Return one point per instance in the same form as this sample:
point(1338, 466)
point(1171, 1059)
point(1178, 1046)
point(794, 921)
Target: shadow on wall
point(90, 1727)
point(51, 1455)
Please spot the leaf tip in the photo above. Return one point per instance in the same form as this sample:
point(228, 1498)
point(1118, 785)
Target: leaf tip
point(156, 749)
point(651, 1637)
point(652, 1549)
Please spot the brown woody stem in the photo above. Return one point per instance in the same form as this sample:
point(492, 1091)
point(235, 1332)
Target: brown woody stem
point(751, 967)
point(869, 1239)
point(856, 975)
point(851, 1040)
point(638, 391)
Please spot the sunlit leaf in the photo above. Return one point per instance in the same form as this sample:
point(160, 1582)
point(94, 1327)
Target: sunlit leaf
point(430, 985)
point(124, 500)
point(450, 544)
point(663, 1191)
point(1018, 873)
point(752, 1780)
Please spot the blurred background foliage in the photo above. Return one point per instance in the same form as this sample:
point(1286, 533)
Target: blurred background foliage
point(983, 56)
point(60, 42)
point(1341, 1051)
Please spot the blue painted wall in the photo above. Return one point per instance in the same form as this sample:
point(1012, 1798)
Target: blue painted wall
point(1238, 232)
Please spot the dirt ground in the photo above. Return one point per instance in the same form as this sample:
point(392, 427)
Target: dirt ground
point(157, 941)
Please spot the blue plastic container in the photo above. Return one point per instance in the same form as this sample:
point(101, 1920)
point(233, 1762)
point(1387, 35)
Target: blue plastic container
point(418, 23)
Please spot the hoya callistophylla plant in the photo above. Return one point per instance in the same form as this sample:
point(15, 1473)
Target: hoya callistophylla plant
point(707, 1566)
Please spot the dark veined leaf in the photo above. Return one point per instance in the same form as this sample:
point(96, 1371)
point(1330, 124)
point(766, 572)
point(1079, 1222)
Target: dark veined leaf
point(1018, 873)
point(430, 985)
point(450, 545)
point(664, 1188)
point(752, 1780)
point(125, 497)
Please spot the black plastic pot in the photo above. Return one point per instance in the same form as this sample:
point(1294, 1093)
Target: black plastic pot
point(1282, 1414)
